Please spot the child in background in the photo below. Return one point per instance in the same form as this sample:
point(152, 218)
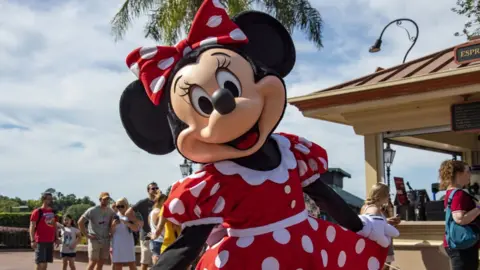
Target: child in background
point(71, 237)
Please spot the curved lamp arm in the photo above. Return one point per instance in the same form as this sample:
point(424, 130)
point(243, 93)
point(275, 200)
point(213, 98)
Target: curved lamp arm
point(398, 22)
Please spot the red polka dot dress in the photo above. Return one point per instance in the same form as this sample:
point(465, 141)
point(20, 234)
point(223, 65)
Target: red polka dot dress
point(264, 213)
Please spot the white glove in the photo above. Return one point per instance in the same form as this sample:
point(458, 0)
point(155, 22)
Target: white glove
point(377, 229)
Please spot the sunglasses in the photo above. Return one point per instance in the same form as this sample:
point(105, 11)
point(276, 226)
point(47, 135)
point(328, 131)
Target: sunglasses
point(154, 188)
point(120, 206)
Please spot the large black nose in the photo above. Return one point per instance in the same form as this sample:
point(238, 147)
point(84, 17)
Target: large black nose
point(223, 101)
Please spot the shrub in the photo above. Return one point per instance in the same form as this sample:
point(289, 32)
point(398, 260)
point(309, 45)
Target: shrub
point(21, 220)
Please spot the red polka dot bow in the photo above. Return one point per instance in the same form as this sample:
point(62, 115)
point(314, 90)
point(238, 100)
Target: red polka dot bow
point(153, 65)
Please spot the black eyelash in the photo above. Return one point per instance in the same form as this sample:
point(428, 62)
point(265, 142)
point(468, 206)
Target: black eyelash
point(223, 63)
point(186, 89)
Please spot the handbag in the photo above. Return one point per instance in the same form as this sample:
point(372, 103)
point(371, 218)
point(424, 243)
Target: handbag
point(458, 236)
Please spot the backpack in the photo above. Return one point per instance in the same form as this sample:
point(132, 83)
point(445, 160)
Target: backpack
point(458, 236)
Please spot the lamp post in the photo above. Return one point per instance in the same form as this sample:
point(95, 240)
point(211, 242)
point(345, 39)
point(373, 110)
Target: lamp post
point(186, 168)
point(378, 43)
point(388, 156)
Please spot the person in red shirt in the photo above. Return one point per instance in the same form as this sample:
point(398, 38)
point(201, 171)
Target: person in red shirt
point(465, 210)
point(43, 222)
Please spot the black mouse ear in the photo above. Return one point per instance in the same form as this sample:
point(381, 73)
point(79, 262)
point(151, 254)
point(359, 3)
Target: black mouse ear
point(269, 41)
point(146, 124)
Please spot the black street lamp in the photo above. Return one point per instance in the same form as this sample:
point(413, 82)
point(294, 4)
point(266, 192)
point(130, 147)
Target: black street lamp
point(388, 156)
point(376, 47)
point(186, 168)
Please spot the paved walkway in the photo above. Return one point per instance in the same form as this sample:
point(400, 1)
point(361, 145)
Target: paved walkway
point(23, 260)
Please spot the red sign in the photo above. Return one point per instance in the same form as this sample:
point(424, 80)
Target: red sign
point(401, 191)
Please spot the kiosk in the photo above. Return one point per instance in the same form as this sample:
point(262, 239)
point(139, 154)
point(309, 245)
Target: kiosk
point(430, 103)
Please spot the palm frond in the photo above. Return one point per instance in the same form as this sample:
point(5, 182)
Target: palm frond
point(130, 10)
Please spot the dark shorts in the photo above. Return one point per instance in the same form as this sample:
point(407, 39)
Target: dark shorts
point(44, 253)
point(155, 247)
point(463, 259)
point(68, 255)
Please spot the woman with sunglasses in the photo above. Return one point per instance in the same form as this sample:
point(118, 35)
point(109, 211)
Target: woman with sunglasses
point(123, 245)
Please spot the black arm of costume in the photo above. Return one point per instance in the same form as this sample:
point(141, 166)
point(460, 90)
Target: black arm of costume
point(181, 253)
point(329, 201)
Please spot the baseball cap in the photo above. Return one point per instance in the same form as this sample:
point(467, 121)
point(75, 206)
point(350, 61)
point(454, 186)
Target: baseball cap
point(104, 195)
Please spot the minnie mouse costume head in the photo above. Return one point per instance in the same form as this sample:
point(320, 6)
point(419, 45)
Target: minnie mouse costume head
point(217, 97)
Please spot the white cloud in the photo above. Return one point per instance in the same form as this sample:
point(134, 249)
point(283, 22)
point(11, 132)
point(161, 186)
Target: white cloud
point(62, 75)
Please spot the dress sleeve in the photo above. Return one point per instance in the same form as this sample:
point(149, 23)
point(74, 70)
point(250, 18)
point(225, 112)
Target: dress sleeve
point(312, 159)
point(198, 199)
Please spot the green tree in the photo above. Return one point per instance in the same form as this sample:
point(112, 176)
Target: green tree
point(77, 210)
point(167, 18)
point(470, 9)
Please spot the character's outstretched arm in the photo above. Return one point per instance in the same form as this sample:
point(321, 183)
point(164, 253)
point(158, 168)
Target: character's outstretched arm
point(181, 253)
point(329, 201)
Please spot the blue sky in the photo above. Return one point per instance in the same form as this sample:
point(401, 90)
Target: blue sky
point(62, 75)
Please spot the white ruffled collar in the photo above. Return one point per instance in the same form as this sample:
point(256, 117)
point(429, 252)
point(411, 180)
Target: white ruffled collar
point(278, 175)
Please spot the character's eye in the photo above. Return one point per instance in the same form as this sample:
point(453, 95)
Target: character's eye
point(227, 80)
point(201, 101)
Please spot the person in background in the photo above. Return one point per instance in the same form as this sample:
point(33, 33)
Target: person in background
point(99, 221)
point(43, 232)
point(115, 210)
point(153, 218)
point(123, 245)
point(465, 210)
point(375, 205)
point(144, 207)
point(71, 237)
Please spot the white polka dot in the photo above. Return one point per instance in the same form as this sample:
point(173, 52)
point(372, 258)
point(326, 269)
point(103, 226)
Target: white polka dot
point(302, 167)
point(288, 189)
point(221, 259)
point(214, 189)
point(305, 141)
point(324, 257)
point(324, 162)
point(197, 175)
point(165, 63)
point(302, 148)
point(293, 203)
point(244, 242)
point(197, 211)
point(217, 4)
point(238, 34)
point(373, 264)
point(197, 189)
point(307, 244)
point(157, 84)
point(343, 228)
point(135, 69)
point(176, 207)
point(342, 258)
point(282, 236)
point(214, 21)
point(219, 205)
point(313, 164)
point(331, 232)
point(208, 41)
point(148, 52)
point(186, 50)
point(313, 223)
point(360, 246)
point(270, 263)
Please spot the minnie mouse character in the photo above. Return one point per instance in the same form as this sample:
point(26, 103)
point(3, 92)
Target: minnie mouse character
point(217, 97)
